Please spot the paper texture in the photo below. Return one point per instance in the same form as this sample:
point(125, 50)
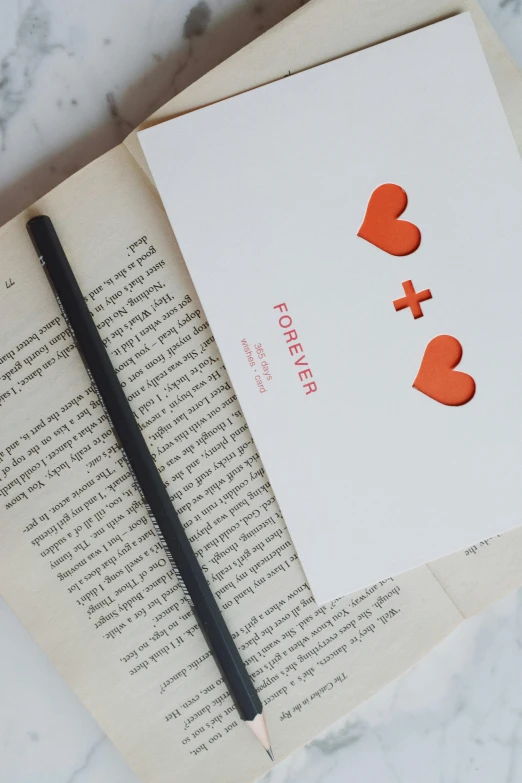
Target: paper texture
point(91, 561)
point(302, 307)
point(89, 582)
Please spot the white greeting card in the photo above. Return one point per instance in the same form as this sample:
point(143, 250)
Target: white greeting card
point(354, 233)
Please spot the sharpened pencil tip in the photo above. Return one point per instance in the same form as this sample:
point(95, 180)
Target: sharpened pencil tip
point(258, 726)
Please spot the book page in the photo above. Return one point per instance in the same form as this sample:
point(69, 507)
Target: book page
point(482, 573)
point(79, 559)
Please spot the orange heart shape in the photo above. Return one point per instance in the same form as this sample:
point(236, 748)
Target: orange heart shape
point(437, 377)
point(381, 225)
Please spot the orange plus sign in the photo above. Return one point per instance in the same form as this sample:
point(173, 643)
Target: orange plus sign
point(412, 299)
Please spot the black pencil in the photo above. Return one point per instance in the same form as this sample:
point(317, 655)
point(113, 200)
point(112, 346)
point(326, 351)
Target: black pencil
point(147, 478)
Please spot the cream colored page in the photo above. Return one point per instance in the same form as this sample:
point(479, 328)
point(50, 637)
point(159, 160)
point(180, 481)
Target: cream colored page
point(325, 29)
point(79, 560)
point(482, 573)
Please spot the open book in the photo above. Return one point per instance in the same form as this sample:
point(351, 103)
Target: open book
point(79, 560)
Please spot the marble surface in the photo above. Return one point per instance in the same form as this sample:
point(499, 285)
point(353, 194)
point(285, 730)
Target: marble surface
point(74, 79)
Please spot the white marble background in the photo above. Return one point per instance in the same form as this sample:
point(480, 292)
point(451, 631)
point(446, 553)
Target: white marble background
point(75, 77)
